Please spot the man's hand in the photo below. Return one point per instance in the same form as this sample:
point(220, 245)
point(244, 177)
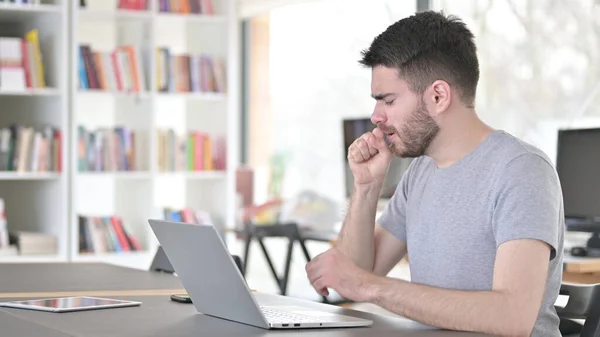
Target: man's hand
point(369, 157)
point(332, 269)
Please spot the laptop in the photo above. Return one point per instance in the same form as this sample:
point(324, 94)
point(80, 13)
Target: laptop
point(217, 288)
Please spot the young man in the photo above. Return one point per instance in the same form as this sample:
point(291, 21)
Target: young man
point(479, 212)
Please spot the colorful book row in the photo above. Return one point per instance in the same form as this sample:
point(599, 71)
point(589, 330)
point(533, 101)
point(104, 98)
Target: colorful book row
point(105, 234)
point(188, 215)
point(194, 151)
point(106, 149)
point(186, 6)
point(133, 4)
point(26, 149)
point(119, 70)
point(189, 73)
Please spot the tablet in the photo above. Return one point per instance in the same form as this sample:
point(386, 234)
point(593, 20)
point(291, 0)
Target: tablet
point(64, 304)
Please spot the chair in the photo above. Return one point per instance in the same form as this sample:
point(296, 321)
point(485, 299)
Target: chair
point(583, 304)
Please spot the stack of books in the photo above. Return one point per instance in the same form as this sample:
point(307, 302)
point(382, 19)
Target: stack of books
point(35, 243)
point(21, 62)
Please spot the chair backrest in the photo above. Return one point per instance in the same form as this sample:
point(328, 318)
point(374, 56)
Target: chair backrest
point(583, 303)
point(162, 263)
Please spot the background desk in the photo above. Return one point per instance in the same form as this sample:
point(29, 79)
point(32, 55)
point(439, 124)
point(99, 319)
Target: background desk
point(158, 315)
point(581, 270)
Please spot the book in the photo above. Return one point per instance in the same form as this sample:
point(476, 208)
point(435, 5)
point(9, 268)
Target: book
point(117, 70)
point(106, 149)
point(192, 151)
point(27, 149)
point(21, 62)
point(201, 73)
point(105, 234)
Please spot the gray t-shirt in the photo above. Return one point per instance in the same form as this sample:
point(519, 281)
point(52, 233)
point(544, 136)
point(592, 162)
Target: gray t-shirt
point(453, 219)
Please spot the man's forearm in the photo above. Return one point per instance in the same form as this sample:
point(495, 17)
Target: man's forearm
point(356, 236)
point(489, 312)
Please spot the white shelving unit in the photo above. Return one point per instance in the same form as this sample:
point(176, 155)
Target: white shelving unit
point(52, 202)
point(143, 193)
point(38, 201)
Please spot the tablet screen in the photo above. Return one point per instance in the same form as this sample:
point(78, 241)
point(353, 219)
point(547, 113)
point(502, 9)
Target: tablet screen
point(70, 303)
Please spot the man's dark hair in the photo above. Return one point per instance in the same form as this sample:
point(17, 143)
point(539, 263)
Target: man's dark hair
point(426, 47)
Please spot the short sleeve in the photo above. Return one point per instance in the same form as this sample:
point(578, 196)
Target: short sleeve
point(529, 202)
point(393, 217)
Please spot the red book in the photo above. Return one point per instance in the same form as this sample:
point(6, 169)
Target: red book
point(116, 222)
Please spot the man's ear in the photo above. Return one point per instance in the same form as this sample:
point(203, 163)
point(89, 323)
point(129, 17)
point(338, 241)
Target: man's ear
point(438, 97)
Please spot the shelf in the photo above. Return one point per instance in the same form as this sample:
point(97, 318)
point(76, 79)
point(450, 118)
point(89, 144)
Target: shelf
point(117, 174)
point(196, 175)
point(108, 14)
point(31, 92)
point(16, 12)
point(117, 94)
point(196, 96)
point(208, 175)
point(139, 260)
point(67, 105)
point(4, 175)
point(199, 18)
point(31, 259)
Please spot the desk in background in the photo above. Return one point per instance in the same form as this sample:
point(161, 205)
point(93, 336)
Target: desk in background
point(158, 315)
point(585, 270)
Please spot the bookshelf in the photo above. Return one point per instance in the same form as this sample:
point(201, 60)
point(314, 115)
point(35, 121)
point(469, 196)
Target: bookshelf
point(34, 131)
point(169, 101)
point(146, 120)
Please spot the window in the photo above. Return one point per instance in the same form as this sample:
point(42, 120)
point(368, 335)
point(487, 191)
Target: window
point(538, 62)
point(315, 81)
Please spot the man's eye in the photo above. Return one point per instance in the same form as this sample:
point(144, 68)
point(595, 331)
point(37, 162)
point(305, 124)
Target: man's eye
point(389, 103)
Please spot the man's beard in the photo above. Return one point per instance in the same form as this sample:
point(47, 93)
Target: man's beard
point(417, 134)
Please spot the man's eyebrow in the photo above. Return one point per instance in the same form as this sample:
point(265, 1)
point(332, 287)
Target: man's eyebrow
point(379, 97)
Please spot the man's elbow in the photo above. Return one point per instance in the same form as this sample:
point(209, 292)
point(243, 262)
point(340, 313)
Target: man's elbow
point(518, 330)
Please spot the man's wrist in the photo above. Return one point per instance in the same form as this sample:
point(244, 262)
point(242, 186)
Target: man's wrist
point(368, 190)
point(372, 287)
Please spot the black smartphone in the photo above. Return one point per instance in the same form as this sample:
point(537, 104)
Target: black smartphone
point(183, 298)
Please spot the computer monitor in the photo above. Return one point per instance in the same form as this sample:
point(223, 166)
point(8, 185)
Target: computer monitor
point(354, 128)
point(578, 167)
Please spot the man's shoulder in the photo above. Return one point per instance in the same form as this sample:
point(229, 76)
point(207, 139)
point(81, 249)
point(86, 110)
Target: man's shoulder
point(500, 150)
point(509, 150)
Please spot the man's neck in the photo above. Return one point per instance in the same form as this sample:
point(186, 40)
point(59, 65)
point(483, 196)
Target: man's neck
point(459, 137)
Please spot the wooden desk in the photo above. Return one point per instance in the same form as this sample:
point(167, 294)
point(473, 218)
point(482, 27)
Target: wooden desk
point(158, 315)
point(581, 270)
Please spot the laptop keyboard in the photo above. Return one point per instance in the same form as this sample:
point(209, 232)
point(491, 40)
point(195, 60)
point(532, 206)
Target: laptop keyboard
point(279, 316)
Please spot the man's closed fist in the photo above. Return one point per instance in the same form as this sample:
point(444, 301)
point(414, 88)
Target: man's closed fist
point(334, 270)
